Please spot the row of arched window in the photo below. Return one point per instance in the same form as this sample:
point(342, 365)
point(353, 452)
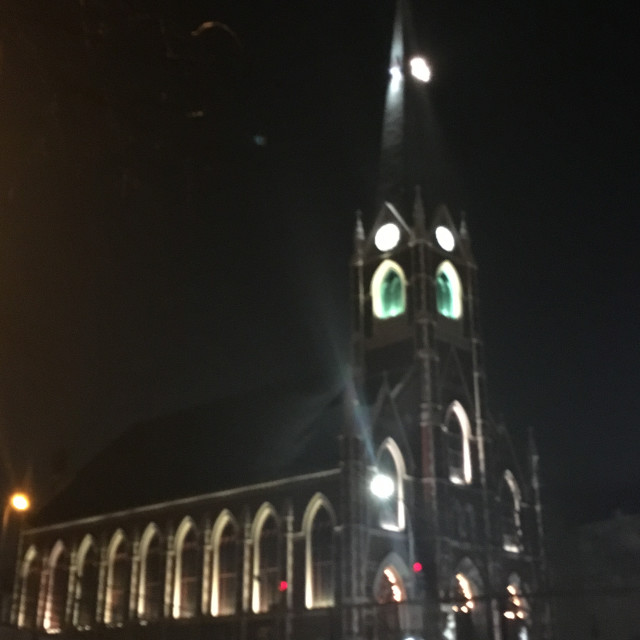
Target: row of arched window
point(388, 290)
point(179, 576)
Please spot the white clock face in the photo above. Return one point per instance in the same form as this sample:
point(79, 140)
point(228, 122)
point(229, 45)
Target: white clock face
point(387, 237)
point(445, 239)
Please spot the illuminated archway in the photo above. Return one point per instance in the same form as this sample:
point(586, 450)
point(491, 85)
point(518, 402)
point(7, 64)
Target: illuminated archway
point(448, 291)
point(390, 463)
point(318, 525)
point(57, 589)
point(266, 575)
point(152, 574)
point(459, 447)
point(188, 575)
point(226, 565)
point(388, 290)
point(510, 501)
point(118, 580)
point(30, 576)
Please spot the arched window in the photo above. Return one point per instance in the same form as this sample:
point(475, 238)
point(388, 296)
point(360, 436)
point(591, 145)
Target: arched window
point(188, 577)
point(389, 591)
point(152, 575)
point(118, 580)
point(448, 291)
point(515, 611)
point(510, 512)
point(390, 587)
point(87, 584)
point(30, 575)
point(388, 290)
point(56, 603)
point(226, 566)
point(390, 464)
point(318, 525)
point(466, 619)
point(266, 561)
point(458, 450)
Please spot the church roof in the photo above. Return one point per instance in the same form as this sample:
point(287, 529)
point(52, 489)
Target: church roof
point(230, 443)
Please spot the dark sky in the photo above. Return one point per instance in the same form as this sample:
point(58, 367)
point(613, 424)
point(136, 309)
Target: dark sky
point(152, 261)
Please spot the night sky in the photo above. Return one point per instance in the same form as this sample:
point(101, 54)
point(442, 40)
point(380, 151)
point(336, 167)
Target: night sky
point(176, 214)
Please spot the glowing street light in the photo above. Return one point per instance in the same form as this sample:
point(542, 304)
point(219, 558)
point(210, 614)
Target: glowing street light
point(20, 501)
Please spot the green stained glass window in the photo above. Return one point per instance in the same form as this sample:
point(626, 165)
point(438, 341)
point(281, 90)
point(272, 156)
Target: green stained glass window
point(448, 291)
point(392, 295)
point(444, 295)
point(388, 291)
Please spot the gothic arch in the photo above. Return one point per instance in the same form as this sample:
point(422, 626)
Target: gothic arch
point(86, 592)
point(187, 590)
point(57, 588)
point(226, 577)
point(392, 587)
point(265, 576)
point(394, 563)
point(515, 610)
point(467, 615)
point(116, 608)
point(448, 291)
point(510, 504)
point(319, 587)
point(151, 583)
point(30, 583)
point(390, 461)
point(459, 444)
point(388, 290)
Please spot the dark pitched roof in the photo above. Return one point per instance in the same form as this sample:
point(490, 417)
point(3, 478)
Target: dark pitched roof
point(229, 443)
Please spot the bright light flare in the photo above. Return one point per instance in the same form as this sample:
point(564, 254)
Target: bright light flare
point(420, 69)
point(20, 501)
point(387, 237)
point(445, 238)
point(382, 486)
point(396, 78)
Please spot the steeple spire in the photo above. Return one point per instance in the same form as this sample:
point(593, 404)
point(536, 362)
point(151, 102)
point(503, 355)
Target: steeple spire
point(402, 164)
point(390, 180)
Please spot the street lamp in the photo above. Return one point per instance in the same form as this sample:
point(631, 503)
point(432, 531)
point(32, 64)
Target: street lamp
point(18, 501)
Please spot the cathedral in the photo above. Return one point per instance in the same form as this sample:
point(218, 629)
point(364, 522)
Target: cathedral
point(405, 511)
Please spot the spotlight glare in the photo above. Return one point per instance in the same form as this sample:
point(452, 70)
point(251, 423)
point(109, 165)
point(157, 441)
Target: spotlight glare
point(420, 69)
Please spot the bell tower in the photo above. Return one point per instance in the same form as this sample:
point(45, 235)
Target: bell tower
point(418, 363)
point(414, 304)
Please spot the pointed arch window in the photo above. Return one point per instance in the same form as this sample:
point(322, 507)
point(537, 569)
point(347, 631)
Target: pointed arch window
point(463, 608)
point(152, 575)
point(458, 430)
point(118, 580)
point(390, 464)
point(226, 567)
point(467, 617)
point(510, 513)
point(87, 584)
point(266, 563)
point(188, 577)
point(31, 574)
point(448, 291)
point(515, 611)
point(388, 290)
point(389, 592)
point(57, 589)
point(319, 526)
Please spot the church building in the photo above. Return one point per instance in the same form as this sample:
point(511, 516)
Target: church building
point(403, 512)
